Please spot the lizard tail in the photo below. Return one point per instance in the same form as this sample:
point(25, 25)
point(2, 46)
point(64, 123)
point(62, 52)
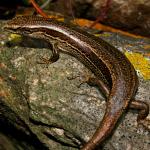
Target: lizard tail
point(111, 117)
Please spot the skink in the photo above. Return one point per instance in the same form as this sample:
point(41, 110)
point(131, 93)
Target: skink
point(116, 74)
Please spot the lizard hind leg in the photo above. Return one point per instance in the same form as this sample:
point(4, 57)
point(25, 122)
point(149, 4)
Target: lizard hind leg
point(143, 108)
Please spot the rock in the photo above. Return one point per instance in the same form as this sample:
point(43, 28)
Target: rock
point(47, 109)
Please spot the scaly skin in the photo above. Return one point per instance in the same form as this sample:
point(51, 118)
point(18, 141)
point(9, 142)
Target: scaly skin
point(105, 61)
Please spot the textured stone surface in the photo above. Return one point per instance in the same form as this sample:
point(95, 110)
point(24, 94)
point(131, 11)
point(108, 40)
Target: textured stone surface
point(44, 103)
